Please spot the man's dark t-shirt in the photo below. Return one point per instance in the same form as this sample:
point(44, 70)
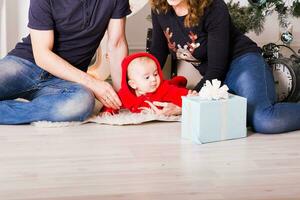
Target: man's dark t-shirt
point(79, 26)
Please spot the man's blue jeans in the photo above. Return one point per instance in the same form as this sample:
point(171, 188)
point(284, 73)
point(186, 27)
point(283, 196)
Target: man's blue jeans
point(50, 98)
point(249, 76)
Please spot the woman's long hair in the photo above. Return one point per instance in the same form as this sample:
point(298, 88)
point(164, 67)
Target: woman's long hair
point(195, 10)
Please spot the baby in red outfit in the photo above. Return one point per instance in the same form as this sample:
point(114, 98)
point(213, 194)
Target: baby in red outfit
point(143, 83)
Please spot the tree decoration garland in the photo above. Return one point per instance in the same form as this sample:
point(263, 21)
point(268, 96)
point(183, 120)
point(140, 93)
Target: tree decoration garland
point(252, 17)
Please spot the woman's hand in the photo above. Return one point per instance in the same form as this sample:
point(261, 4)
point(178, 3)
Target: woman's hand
point(168, 109)
point(192, 93)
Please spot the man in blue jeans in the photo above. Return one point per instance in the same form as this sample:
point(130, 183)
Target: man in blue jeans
point(48, 67)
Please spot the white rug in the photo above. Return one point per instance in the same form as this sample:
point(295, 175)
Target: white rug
point(123, 118)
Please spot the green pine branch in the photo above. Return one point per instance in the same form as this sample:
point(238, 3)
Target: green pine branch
point(252, 17)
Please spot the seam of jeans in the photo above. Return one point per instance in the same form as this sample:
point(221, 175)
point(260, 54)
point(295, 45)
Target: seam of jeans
point(43, 76)
point(266, 86)
point(17, 95)
point(59, 90)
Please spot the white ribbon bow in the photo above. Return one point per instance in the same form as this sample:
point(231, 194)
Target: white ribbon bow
point(213, 91)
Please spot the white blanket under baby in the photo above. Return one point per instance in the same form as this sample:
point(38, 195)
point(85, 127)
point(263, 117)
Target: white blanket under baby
point(123, 118)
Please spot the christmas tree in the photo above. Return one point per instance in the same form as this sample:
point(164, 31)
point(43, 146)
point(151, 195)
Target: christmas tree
point(252, 17)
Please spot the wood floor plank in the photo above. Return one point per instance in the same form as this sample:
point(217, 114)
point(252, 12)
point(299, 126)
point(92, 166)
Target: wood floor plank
point(148, 161)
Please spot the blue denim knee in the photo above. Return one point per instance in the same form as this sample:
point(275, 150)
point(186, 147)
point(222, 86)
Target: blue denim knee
point(76, 105)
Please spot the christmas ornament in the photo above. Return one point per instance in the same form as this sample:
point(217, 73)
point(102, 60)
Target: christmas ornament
point(286, 37)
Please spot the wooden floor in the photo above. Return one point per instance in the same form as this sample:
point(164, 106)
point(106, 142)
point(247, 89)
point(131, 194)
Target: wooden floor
point(145, 162)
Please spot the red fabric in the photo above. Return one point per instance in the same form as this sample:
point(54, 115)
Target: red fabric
point(179, 81)
point(168, 91)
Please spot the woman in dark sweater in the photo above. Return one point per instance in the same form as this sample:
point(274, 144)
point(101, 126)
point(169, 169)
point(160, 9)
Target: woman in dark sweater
point(201, 32)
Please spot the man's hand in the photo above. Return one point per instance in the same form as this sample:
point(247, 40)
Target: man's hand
point(105, 93)
point(168, 109)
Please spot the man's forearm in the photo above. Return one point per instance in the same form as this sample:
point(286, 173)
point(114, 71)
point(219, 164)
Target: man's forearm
point(60, 68)
point(57, 66)
point(116, 53)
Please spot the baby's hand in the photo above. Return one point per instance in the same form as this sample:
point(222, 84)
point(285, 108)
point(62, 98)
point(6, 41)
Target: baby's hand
point(168, 109)
point(192, 93)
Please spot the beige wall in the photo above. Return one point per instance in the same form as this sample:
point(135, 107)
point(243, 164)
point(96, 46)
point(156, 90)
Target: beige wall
point(13, 23)
point(136, 30)
point(3, 44)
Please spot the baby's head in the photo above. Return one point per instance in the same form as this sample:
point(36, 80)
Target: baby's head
point(143, 75)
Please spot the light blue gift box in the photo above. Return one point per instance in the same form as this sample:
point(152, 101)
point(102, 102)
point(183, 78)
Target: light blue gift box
point(206, 121)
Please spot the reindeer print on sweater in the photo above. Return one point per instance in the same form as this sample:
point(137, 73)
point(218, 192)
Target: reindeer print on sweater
point(186, 51)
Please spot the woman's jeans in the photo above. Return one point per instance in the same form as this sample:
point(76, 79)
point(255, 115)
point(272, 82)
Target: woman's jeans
point(49, 98)
point(249, 76)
